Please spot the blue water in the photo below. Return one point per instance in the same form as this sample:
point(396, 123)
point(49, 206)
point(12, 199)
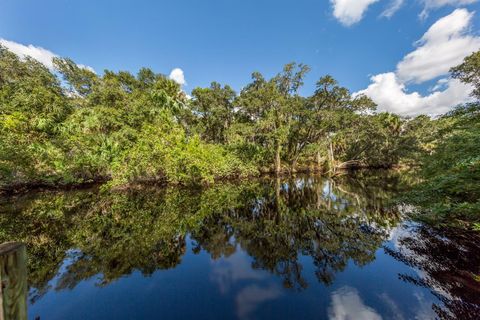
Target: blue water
point(237, 252)
point(228, 288)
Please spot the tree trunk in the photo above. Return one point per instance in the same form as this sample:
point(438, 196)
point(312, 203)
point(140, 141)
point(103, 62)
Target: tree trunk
point(278, 164)
point(319, 161)
point(293, 165)
point(331, 158)
point(331, 153)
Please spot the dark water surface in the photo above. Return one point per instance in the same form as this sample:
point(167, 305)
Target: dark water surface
point(290, 248)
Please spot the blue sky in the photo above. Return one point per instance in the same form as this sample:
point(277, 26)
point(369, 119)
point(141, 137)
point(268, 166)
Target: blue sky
point(225, 40)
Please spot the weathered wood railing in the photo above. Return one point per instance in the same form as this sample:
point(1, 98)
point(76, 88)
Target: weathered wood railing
point(13, 280)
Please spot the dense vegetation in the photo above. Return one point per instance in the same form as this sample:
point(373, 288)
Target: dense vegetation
point(71, 126)
point(450, 190)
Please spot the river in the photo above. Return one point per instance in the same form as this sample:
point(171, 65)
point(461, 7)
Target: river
point(303, 247)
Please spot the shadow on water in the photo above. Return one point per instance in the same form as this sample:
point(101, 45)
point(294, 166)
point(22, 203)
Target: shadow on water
point(292, 229)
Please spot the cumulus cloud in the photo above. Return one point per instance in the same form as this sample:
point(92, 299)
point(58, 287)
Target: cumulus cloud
point(178, 76)
point(347, 304)
point(349, 12)
point(390, 94)
point(40, 54)
point(444, 45)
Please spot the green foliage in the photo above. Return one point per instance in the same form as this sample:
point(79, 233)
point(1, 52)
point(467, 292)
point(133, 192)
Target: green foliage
point(451, 188)
point(450, 191)
point(468, 72)
point(32, 106)
point(213, 112)
point(163, 152)
point(88, 127)
point(72, 126)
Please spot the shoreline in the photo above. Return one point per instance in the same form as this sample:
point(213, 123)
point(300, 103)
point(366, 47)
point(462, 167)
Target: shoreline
point(25, 188)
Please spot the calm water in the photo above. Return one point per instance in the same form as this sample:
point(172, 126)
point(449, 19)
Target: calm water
point(298, 248)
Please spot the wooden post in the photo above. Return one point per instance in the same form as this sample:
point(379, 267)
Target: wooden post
point(13, 280)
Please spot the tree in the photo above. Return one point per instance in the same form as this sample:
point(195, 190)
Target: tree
point(271, 106)
point(469, 72)
point(80, 80)
point(71, 125)
point(450, 191)
point(214, 111)
point(32, 109)
point(322, 119)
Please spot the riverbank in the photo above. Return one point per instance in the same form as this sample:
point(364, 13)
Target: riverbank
point(21, 188)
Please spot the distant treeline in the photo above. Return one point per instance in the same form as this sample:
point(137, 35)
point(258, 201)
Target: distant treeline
point(71, 126)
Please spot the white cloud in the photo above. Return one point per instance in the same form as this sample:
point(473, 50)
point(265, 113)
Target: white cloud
point(40, 54)
point(347, 304)
point(435, 4)
point(349, 12)
point(443, 46)
point(390, 95)
point(229, 271)
point(250, 298)
point(440, 85)
point(82, 66)
point(441, 3)
point(392, 8)
point(424, 310)
point(178, 76)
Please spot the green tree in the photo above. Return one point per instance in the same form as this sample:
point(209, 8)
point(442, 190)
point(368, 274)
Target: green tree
point(32, 108)
point(214, 111)
point(469, 72)
point(271, 106)
point(322, 118)
point(450, 192)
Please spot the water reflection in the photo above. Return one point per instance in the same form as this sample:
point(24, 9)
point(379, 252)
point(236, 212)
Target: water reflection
point(447, 263)
point(347, 304)
point(266, 241)
point(300, 217)
point(251, 297)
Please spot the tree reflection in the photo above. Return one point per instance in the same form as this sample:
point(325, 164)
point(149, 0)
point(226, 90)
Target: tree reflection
point(110, 235)
point(449, 266)
point(330, 221)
